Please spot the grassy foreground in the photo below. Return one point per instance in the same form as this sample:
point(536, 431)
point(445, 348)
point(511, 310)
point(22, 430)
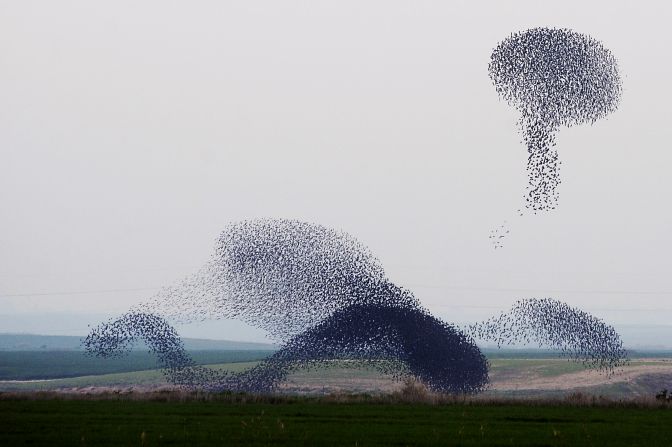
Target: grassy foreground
point(361, 421)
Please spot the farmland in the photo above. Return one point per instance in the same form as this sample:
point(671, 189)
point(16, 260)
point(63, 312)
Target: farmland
point(295, 421)
point(32, 365)
point(510, 377)
point(66, 398)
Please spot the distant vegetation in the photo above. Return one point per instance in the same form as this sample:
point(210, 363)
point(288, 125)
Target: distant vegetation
point(32, 365)
point(33, 342)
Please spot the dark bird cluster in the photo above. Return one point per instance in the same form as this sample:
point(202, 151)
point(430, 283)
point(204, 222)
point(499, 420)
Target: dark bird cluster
point(396, 340)
point(554, 77)
point(324, 296)
point(554, 324)
point(317, 290)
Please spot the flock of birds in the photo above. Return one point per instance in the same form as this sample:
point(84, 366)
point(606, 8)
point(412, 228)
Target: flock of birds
point(554, 324)
point(396, 340)
point(554, 78)
point(318, 292)
point(324, 297)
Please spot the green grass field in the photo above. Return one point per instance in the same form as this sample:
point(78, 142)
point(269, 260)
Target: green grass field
point(153, 377)
point(100, 409)
point(35, 365)
point(308, 422)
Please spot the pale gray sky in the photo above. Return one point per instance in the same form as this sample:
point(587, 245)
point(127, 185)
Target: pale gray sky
point(131, 132)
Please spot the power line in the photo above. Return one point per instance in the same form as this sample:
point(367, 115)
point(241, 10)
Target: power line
point(458, 306)
point(598, 309)
point(79, 292)
point(503, 289)
point(99, 272)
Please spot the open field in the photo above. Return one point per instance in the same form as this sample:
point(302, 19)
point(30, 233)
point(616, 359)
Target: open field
point(535, 377)
point(144, 380)
point(509, 377)
point(32, 365)
point(166, 419)
point(532, 401)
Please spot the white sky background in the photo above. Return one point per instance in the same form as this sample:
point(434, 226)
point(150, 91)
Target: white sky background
point(132, 132)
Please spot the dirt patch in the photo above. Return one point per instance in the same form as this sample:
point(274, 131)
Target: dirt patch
point(528, 380)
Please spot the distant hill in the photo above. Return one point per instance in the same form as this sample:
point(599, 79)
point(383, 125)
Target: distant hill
point(34, 342)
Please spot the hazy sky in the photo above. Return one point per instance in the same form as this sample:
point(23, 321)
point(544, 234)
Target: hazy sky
point(132, 132)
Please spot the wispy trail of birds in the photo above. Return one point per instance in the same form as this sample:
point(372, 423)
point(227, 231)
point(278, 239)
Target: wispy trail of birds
point(498, 234)
point(554, 78)
point(325, 297)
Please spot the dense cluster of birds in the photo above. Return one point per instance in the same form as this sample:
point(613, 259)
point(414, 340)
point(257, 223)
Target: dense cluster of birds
point(317, 291)
point(397, 341)
point(552, 323)
point(325, 297)
point(554, 78)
